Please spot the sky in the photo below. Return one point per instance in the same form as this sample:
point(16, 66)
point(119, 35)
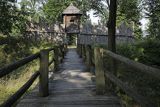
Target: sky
point(95, 20)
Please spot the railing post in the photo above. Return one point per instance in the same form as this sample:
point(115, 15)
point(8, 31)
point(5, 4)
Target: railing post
point(56, 63)
point(83, 52)
point(60, 53)
point(88, 57)
point(100, 76)
point(44, 62)
point(80, 50)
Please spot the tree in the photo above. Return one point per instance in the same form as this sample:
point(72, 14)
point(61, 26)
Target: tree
point(101, 8)
point(53, 9)
point(33, 8)
point(112, 25)
point(7, 15)
point(129, 12)
point(152, 12)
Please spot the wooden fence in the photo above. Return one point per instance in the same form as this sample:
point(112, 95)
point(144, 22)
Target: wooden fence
point(89, 39)
point(49, 36)
point(94, 57)
point(43, 55)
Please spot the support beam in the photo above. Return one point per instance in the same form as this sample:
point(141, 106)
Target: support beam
point(100, 76)
point(56, 54)
point(44, 62)
point(88, 57)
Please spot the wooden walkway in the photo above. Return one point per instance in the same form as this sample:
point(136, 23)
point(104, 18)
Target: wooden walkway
point(70, 87)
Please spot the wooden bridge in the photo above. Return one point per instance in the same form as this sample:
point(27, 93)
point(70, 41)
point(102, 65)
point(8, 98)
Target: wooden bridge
point(72, 82)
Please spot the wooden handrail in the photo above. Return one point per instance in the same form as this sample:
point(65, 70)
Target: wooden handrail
point(128, 90)
point(139, 66)
point(53, 60)
point(109, 75)
point(43, 72)
point(9, 68)
point(21, 91)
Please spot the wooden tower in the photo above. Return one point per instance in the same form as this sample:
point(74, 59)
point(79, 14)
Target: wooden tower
point(71, 19)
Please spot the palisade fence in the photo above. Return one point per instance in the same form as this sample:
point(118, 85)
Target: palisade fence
point(49, 36)
point(103, 39)
point(106, 74)
point(43, 56)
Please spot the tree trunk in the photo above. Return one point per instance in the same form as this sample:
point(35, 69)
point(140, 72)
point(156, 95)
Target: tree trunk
point(112, 25)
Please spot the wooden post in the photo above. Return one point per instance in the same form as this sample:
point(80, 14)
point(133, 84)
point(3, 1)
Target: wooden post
point(88, 57)
point(56, 58)
point(43, 84)
point(100, 76)
point(60, 53)
point(83, 52)
point(80, 50)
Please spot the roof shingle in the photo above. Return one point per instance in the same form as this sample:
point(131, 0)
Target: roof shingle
point(71, 9)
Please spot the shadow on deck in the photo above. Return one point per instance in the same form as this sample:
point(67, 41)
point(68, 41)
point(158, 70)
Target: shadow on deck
point(71, 86)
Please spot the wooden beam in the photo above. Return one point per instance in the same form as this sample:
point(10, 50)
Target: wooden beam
point(44, 63)
point(139, 66)
point(9, 68)
point(56, 53)
point(129, 91)
point(88, 57)
point(100, 77)
point(13, 99)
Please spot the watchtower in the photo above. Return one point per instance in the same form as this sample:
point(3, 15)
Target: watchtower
point(71, 19)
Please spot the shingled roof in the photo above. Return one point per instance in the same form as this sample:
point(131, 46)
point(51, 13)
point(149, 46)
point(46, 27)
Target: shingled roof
point(71, 9)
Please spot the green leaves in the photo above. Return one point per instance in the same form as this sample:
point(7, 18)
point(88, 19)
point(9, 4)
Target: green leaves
point(152, 12)
point(7, 17)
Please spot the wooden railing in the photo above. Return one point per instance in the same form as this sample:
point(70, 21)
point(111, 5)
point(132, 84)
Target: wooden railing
point(43, 55)
point(102, 75)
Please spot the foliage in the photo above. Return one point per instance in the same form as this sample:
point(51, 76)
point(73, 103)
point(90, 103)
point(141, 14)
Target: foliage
point(101, 8)
point(146, 52)
point(53, 9)
point(7, 15)
point(152, 12)
point(129, 12)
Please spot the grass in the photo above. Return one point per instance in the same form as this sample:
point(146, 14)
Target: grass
point(10, 84)
point(72, 46)
point(15, 80)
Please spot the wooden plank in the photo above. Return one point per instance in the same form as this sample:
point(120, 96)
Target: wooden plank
point(88, 57)
point(71, 87)
point(56, 53)
point(100, 78)
point(139, 66)
point(103, 39)
point(9, 68)
point(53, 60)
point(131, 92)
point(44, 63)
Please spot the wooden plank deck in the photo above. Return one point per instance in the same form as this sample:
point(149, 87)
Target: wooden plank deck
point(70, 87)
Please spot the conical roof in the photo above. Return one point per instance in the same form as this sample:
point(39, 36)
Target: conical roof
point(71, 9)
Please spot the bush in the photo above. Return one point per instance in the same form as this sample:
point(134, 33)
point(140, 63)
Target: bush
point(146, 52)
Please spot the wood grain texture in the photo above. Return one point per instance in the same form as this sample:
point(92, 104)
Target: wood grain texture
point(71, 86)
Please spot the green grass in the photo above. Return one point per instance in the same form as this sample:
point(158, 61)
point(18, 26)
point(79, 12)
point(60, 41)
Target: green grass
point(9, 85)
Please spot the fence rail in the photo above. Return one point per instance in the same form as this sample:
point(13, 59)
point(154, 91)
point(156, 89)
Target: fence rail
point(43, 55)
point(103, 75)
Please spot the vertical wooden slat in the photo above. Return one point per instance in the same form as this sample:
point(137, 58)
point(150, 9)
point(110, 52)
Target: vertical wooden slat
point(44, 62)
point(56, 58)
point(80, 50)
point(88, 57)
point(100, 76)
point(83, 52)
